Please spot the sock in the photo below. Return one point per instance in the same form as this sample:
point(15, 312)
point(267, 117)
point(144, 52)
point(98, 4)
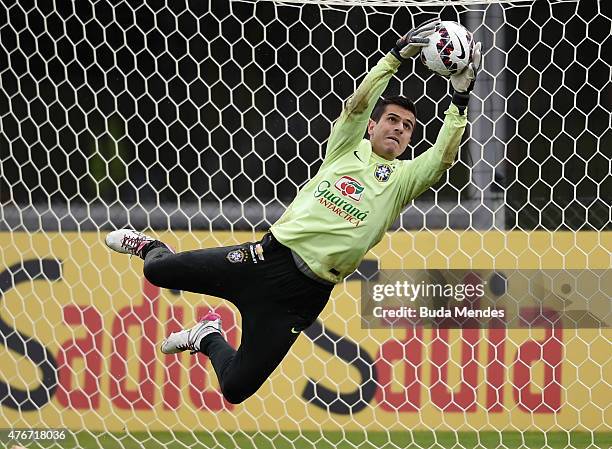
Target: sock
point(208, 339)
point(152, 245)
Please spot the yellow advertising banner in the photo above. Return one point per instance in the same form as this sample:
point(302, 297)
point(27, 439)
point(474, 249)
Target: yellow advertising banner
point(81, 329)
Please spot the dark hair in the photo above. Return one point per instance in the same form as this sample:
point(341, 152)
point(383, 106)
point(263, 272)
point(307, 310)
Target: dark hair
point(398, 100)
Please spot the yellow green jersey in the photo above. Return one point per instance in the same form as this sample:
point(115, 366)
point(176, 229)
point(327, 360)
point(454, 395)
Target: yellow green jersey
point(346, 208)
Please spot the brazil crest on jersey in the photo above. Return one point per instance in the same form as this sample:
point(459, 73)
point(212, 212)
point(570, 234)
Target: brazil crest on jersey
point(345, 209)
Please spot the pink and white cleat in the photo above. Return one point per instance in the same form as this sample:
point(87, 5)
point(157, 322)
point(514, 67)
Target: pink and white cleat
point(190, 339)
point(128, 241)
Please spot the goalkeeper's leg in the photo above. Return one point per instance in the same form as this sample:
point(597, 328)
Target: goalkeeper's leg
point(274, 310)
point(267, 336)
point(276, 302)
point(210, 271)
point(265, 342)
point(206, 271)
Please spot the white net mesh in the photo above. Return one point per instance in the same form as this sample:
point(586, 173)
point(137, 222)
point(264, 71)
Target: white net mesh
point(200, 121)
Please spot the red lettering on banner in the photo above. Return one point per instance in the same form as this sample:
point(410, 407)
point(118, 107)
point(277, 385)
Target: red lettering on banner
point(496, 370)
point(548, 350)
point(145, 318)
point(88, 348)
point(463, 400)
point(172, 366)
point(410, 352)
point(201, 397)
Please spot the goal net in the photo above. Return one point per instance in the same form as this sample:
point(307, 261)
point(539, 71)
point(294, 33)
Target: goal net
point(199, 122)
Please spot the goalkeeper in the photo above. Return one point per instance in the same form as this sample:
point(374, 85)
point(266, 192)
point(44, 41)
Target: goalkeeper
point(281, 283)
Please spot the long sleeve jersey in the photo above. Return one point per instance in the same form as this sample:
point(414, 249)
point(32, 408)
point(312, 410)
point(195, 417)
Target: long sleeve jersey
point(346, 208)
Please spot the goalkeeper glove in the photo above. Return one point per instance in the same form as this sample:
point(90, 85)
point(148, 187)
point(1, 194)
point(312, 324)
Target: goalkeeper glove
point(410, 45)
point(463, 82)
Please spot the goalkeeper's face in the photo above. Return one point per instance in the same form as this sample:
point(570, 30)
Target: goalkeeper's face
point(391, 134)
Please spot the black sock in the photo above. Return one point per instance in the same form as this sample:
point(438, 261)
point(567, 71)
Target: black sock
point(152, 245)
point(208, 339)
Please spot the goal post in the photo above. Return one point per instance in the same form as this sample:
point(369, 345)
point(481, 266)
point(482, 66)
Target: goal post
point(199, 122)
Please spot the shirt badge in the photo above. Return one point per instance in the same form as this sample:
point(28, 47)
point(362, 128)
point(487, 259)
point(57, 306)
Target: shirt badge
point(382, 172)
point(237, 256)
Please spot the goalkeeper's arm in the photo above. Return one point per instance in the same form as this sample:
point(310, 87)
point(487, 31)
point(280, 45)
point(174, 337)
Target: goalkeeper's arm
point(352, 123)
point(422, 172)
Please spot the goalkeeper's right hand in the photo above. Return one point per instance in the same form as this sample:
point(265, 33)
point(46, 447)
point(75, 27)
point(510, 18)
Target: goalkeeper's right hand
point(410, 44)
point(463, 82)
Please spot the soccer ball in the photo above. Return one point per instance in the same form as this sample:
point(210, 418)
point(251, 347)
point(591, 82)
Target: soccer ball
point(449, 49)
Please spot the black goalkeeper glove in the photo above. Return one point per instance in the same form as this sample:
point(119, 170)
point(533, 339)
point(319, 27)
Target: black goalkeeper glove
point(463, 82)
point(410, 45)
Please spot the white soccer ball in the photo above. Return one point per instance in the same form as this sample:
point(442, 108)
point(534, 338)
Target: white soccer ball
point(449, 49)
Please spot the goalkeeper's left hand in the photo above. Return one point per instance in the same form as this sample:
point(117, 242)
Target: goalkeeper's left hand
point(463, 82)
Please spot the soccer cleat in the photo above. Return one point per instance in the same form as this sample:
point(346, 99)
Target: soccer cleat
point(190, 339)
point(128, 241)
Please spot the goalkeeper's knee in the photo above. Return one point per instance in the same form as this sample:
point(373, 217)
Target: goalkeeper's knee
point(234, 392)
point(158, 274)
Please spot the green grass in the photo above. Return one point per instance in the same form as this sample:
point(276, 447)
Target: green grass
point(334, 440)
